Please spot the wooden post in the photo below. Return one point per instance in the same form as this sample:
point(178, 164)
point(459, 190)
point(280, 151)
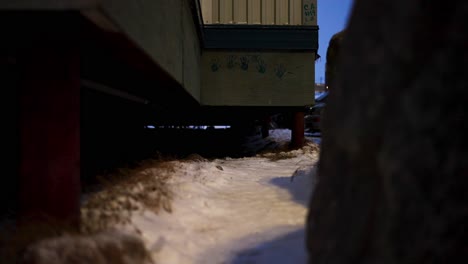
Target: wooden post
point(297, 131)
point(266, 126)
point(50, 132)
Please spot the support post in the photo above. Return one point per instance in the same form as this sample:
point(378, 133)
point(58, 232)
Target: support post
point(50, 132)
point(297, 131)
point(266, 126)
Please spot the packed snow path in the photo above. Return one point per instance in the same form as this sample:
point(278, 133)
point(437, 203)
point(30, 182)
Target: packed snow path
point(239, 211)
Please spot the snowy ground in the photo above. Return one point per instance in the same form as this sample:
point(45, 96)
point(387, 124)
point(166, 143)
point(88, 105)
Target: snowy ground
point(239, 211)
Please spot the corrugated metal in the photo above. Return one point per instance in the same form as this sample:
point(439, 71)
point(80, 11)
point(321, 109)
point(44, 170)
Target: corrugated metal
point(295, 13)
point(240, 11)
point(215, 11)
point(207, 11)
point(226, 11)
point(254, 11)
point(282, 12)
point(266, 12)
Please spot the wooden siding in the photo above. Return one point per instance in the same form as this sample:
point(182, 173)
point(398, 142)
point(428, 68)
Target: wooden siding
point(257, 79)
point(266, 12)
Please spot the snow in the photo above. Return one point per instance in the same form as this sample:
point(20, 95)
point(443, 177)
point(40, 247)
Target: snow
point(247, 210)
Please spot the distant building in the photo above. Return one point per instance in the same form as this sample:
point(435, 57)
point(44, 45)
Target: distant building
point(320, 87)
point(76, 68)
point(259, 53)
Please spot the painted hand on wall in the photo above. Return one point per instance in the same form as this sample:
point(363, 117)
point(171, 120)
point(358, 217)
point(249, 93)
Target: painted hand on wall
point(309, 12)
point(215, 66)
point(261, 65)
point(280, 70)
point(231, 62)
point(244, 63)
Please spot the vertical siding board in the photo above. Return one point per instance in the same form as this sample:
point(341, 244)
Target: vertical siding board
point(268, 12)
point(295, 12)
point(298, 11)
point(290, 12)
point(254, 12)
point(240, 11)
point(207, 11)
point(226, 14)
point(215, 10)
point(276, 12)
point(282, 13)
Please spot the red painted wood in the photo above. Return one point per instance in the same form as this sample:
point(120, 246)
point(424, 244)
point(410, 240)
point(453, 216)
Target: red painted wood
point(297, 131)
point(50, 132)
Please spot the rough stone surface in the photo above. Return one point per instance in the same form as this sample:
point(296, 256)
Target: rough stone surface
point(333, 52)
point(393, 174)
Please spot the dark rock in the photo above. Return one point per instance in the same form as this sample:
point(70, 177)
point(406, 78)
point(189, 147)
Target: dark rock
point(333, 54)
point(393, 171)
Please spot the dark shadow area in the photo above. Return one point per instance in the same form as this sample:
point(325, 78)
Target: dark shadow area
point(314, 138)
point(113, 137)
point(393, 161)
point(10, 139)
point(299, 185)
point(289, 248)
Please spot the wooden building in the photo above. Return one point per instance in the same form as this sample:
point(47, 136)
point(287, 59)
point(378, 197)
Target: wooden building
point(77, 67)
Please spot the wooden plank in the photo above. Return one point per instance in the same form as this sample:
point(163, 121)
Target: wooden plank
point(268, 12)
point(226, 12)
point(254, 12)
point(216, 12)
point(259, 37)
point(207, 11)
point(240, 11)
point(295, 12)
point(282, 12)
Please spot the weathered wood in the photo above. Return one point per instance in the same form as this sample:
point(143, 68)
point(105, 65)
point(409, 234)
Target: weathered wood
point(50, 131)
point(393, 172)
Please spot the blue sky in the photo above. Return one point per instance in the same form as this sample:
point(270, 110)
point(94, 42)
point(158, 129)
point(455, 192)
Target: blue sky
point(332, 17)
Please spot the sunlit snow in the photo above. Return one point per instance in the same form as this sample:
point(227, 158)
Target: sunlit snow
point(247, 210)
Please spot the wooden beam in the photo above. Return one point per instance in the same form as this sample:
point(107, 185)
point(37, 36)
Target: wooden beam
point(297, 131)
point(260, 37)
point(50, 132)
